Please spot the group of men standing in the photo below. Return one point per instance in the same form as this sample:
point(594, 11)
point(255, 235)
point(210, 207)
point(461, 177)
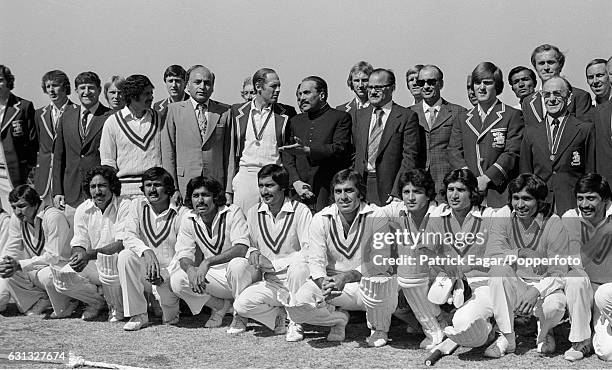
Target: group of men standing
point(104, 223)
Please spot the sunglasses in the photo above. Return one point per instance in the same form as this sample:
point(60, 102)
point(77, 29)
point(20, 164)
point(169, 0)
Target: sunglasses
point(430, 82)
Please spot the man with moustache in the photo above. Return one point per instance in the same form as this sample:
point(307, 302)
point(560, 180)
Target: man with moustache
point(386, 138)
point(568, 152)
point(317, 144)
point(131, 137)
point(598, 80)
point(523, 82)
point(258, 129)
point(57, 86)
point(357, 81)
point(248, 91)
point(18, 139)
point(548, 62)
point(77, 144)
point(196, 134)
point(175, 78)
point(436, 119)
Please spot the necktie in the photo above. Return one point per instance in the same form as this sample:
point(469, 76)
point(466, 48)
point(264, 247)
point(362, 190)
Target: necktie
point(202, 120)
point(375, 137)
point(84, 124)
point(432, 116)
point(555, 125)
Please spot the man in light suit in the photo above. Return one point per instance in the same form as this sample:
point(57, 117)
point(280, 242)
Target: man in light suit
point(258, 129)
point(77, 144)
point(357, 81)
point(18, 139)
point(599, 81)
point(602, 117)
point(196, 136)
point(386, 138)
point(548, 62)
point(566, 155)
point(436, 119)
point(487, 139)
point(57, 86)
point(175, 78)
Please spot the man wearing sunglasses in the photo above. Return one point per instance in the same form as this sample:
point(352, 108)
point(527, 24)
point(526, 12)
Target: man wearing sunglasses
point(436, 119)
point(386, 138)
point(568, 151)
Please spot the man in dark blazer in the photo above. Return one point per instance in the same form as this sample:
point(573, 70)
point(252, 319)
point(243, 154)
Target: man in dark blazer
point(436, 119)
point(56, 85)
point(317, 144)
point(561, 149)
point(487, 139)
point(386, 138)
point(175, 78)
point(18, 139)
point(602, 119)
point(548, 62)
point(196, 136)
point(77, 144)
point(357, 81)
point(258, 129)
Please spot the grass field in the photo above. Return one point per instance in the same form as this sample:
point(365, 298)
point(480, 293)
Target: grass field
point(190, 345)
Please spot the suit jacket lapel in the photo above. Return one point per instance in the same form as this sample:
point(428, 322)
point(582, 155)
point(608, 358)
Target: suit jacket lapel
point(605, 116)
point(390, 127)
point(535, 103)
point(212, 122)
point(422, 118)
point(473, 121)
point(47, 121)
point(242, 120)
point(12, 109)
point(280, 122)
point(442, 116)
point(95, 126)
point(491, 120)
point(567, 136)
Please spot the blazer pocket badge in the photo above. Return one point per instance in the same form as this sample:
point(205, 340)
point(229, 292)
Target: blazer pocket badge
point(17, 127)
point(575, 159)
point(499, 139)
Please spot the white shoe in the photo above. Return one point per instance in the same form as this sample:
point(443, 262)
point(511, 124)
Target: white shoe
point(337, 332)
point(238, 325)
point(68, 311)
point(548, 345)
point(216, 316)
point(432, 339)
point(137, 322)
point(115, 315)
point(378, 339)
point(505, 343)
point(39, 308)
point(280, 326)
point(295, 332)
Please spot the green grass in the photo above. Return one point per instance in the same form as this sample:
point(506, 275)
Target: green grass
point(191, 345)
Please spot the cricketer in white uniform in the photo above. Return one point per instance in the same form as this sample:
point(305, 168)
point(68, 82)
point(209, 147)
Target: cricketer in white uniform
point(98, 226)
point(149, 238)
point(526, 231)
point(590, 230)
point(343, 274)
point(38, 236)
point(458, 233)
point(279, 231)
point(412, 216)
point(221, 233)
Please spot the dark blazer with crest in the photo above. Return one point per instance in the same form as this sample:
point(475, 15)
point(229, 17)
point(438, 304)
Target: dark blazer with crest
point(575, 157)
point(73, 157)
point(398, 149)
point(435, 157)
point(19, 139)
point(602, 121)
point(490, 149)
point(43, 176)
point(184, 154)
point(579, 106)
point(240, 122)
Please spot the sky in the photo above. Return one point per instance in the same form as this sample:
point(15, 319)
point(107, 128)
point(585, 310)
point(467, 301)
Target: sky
point(296, 38)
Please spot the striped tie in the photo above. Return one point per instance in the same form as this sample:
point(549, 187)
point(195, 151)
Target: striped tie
point(375, 135)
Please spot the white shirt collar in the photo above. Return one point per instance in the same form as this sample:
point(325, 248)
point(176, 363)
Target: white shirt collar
point(436, 105)
point(195, 103)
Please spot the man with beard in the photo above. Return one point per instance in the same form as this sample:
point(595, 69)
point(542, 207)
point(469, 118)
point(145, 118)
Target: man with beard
point(357, 81)
point(131, 137)
point(317, 144)
point(149, 238)
point(279, 233)
point(258, 129)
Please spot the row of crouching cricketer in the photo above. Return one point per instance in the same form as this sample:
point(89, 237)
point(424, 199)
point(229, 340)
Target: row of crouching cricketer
point(137, 207)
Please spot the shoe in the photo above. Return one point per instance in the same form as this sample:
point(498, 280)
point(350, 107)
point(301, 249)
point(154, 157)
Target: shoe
point(92, 311)
point(39, 308)
point(137, 322)
point(578, 350)
point(68, 311)
point(548, 345)
point(238, 325)
point(295, 332)
point(115, 315)
point(432, 339)
point(173, 321)
point(377, 339)
point(280, 327)
point(216, 317)
point(337, 332)
point(505, 343)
